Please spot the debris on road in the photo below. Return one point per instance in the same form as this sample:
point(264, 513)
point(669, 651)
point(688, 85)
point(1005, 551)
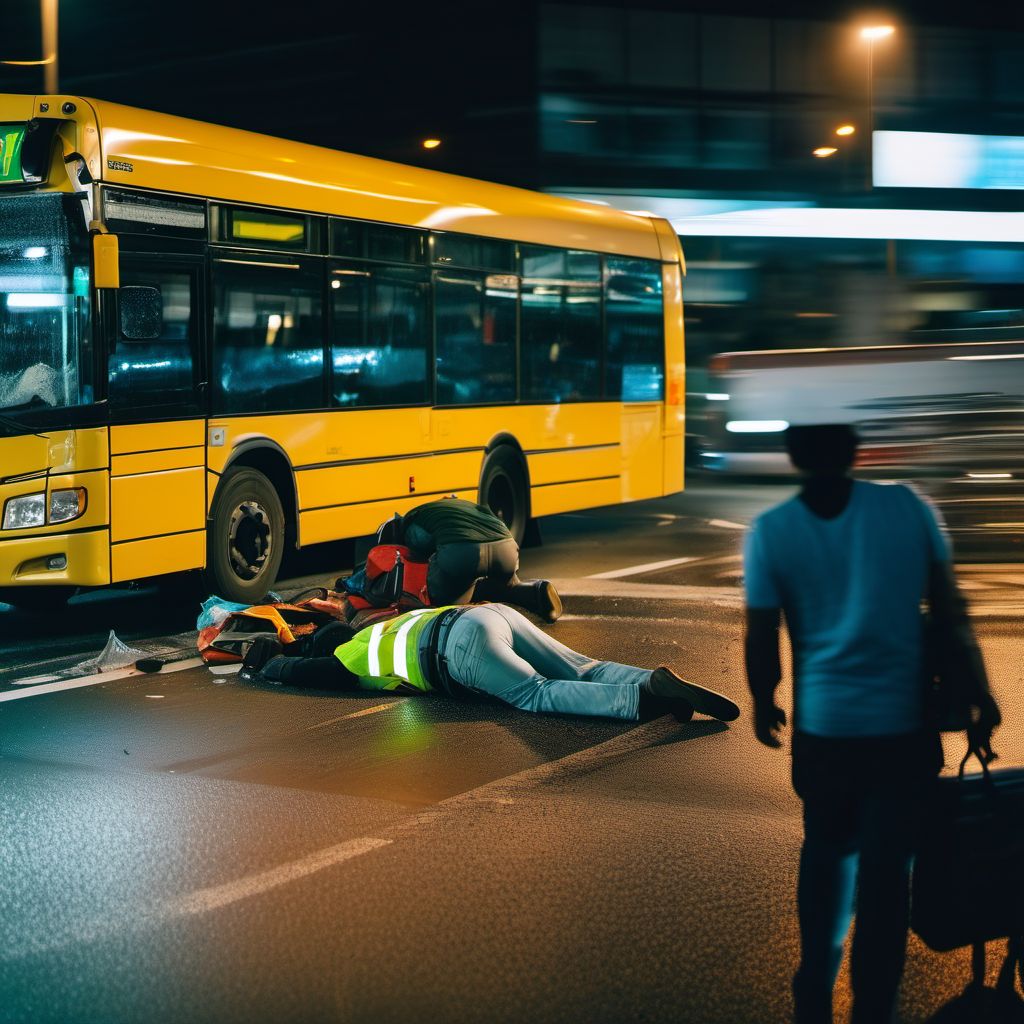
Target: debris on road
point(115, 654)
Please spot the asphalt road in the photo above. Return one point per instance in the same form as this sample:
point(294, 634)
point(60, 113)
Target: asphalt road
point(182, 847)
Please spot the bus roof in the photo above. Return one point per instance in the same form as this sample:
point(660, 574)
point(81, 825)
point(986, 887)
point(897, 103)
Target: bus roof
point(139, 148)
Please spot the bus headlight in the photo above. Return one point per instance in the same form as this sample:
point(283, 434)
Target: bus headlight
point(28, 510)
point(67, 504)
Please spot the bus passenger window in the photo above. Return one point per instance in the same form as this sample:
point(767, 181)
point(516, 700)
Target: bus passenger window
point(268, 337)
point(560, 354)
point(476, 337)
point(379, 335)
point(394, 245)
point(456, 250)
point(156, 372)
point(634, 321)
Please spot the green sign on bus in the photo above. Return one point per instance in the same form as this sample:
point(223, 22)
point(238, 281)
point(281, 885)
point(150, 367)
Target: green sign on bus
point(11, 138)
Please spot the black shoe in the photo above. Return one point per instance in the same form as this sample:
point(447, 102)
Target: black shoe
point(549, 604)
point(652, 706)
point(665, 683)
point(260, 651)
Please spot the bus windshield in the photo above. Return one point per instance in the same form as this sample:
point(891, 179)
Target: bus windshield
point(44, 303)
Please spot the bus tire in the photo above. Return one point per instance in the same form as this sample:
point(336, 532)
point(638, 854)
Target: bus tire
point(244, 537)
point(504, 489)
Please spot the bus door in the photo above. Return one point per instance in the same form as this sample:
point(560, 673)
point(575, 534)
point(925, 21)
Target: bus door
point(157, 395)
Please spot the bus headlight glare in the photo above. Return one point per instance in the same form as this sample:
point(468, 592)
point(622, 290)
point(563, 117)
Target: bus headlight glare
point(67, 504)
point(28, 510)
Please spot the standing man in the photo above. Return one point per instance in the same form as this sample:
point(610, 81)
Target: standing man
point(849, 563)
point(472, 556)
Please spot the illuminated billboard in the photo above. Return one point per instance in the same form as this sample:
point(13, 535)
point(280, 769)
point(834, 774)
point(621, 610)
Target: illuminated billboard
point(943, 160)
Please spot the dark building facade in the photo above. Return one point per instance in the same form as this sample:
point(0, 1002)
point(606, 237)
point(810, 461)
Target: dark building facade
point(706, 113)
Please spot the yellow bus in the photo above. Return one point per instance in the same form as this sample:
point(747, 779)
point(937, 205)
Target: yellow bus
point(215, 344)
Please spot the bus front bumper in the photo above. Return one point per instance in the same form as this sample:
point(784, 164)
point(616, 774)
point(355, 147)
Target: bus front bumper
point(72, 559)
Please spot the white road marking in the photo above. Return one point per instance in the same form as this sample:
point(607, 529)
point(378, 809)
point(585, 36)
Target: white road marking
point(588, 587)
point(94, 680)
point(635, 570)
point(727, 524)
point(356, 714)
point(202, 901)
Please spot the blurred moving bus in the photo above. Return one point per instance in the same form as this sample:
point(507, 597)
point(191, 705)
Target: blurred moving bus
point(215, 343)
point(945, 411)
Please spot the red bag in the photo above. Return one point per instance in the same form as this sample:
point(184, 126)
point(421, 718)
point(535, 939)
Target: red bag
point(394, 578)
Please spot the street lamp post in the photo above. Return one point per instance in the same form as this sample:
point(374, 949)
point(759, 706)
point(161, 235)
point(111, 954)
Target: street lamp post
point(48, 12)
point(48, 62)
point(871, 34)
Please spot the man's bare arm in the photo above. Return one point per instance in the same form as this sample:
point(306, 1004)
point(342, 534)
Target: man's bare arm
point(764, 672)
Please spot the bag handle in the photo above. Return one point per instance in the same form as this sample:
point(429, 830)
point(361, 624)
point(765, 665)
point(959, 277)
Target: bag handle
point(983, 751)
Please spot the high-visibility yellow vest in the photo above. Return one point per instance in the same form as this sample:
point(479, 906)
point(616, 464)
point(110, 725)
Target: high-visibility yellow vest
point(386, 655)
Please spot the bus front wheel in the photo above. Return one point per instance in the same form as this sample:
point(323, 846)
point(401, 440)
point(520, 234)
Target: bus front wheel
point(503, 488)
point(245, 537)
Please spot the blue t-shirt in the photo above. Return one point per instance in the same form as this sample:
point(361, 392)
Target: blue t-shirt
point(851, 590)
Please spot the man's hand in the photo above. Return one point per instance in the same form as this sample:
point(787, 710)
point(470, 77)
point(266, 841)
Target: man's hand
point(979, 734)
point(768, 723)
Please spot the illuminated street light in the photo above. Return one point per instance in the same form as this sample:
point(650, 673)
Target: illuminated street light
point(845, 129)
point(873, 32)
point(431, 143)
point(823, 151)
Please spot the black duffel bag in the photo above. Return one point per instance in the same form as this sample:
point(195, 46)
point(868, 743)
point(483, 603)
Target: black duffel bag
point(968, 884)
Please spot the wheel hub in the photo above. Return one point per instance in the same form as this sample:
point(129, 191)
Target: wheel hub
point(250, 539)
point(501, 500)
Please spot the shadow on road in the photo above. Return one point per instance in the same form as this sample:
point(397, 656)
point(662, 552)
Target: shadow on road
point(982, 1006)
point(692, 731)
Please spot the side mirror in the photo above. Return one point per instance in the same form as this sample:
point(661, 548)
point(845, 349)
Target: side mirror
point(141, 312)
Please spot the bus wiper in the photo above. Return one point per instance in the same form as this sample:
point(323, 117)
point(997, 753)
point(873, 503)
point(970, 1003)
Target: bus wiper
point(11, 426)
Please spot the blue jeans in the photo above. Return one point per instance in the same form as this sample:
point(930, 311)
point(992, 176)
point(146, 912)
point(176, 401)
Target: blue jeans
point(862, 799)
point(493, 649)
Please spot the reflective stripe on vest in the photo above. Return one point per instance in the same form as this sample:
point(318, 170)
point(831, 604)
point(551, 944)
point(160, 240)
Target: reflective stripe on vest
point(386, 654)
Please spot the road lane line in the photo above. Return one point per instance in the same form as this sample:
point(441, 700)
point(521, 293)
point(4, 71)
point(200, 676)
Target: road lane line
point(100, 677)
point(202, 901)
point(635, 570)
point(727, 524)
point(356, 714)
point(588, 587)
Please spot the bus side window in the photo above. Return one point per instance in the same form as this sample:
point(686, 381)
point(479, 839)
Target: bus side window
point(476, 337)
point(635, 326)
point(157, 372)
point(268, 335)
point(379, 335)
point(560, 325)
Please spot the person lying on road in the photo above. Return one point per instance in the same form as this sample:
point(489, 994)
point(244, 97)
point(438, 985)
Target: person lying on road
point(490, 649)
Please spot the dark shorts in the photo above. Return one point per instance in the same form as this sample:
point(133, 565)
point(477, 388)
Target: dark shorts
point(826, 766)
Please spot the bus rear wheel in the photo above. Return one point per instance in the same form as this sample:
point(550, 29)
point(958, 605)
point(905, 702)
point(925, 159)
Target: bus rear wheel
point(503, 489)
point(245, 537)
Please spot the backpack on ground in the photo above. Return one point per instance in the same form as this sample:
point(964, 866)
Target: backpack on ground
point(391, 578)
